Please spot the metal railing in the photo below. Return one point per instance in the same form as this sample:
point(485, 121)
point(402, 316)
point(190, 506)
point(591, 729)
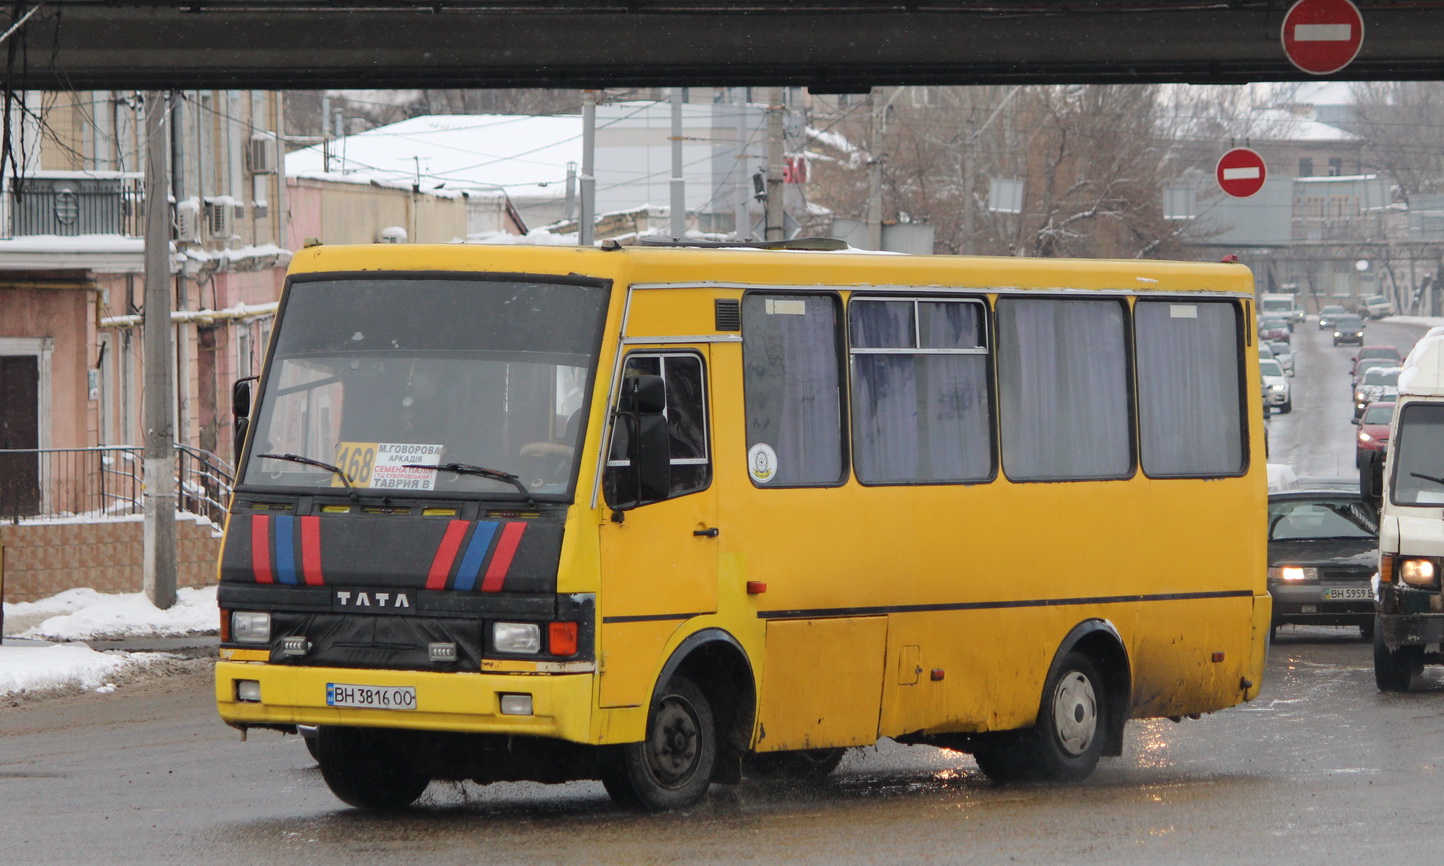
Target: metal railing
point(68, 205)
point(107, 481)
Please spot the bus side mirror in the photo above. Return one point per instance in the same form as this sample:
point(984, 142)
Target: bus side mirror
point(1371, 478)
point(240, 412)
point(646, 442)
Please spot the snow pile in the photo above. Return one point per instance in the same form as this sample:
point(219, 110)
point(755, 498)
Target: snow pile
point(33, 668)
point(84, 614)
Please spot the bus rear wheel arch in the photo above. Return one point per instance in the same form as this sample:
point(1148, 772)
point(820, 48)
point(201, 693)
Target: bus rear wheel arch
point(1081, 714)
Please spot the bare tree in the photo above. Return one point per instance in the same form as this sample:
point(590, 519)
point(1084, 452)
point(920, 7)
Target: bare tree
point(1402, 123)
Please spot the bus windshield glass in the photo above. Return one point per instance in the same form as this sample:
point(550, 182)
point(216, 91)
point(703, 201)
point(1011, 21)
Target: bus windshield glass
point(390, 380)
point(1418, 444)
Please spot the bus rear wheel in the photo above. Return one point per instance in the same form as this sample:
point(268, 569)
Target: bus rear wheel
point(366, 769)
point(671, 768)
point(1064, 745)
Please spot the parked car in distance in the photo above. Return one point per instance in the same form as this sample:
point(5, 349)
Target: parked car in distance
point(1328, 314)
point(1377, 306)
point(1389, 353)
point(1284, 354)
point(1276, 387)
point(1323, 541)
point(1372, 386)
point(1272, 328)
point(1373, 433)
point(1348, 328)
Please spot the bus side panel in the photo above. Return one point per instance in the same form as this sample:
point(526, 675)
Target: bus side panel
point(1180, 676)
point(832, 700)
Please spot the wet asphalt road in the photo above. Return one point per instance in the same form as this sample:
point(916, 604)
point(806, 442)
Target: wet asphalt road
point(1322, 767)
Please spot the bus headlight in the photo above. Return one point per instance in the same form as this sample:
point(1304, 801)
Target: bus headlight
point(250, 627)
point(1418, 572)
point(516, 637)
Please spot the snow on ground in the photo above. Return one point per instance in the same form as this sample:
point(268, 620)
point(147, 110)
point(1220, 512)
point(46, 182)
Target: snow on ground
point(49, 654)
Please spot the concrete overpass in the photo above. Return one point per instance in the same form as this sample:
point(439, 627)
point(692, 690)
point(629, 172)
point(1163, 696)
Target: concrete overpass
point(824, 44)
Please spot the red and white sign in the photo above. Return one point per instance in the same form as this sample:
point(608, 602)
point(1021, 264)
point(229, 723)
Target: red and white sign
point(1322, 36)
point(1241, 172)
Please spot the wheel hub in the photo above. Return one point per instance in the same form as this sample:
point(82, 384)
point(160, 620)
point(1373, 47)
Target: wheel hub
point(672, 751)
point(1075, 713)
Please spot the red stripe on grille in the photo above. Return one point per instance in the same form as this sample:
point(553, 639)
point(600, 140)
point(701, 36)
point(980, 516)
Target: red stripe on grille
point(311, 550)
point(501, 560)
point(261, 548)
point(446, 554)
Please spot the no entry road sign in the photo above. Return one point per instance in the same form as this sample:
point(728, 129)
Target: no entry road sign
point(1241, 172)
point(1322, 36)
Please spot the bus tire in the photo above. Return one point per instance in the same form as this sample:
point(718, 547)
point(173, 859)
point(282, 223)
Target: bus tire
point(1394, 670)
point(804, 764)
point(1072, 723)
point(364, 768)
point(671, 768)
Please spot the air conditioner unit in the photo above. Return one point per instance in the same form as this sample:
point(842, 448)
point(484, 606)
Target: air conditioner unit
point(261, 157)
point(188, 221)
point(221, 224)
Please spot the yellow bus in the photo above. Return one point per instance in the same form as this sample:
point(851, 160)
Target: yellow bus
point(648, 514)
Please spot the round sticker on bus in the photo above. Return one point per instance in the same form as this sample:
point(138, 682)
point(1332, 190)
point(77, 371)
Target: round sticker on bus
point(762, 463)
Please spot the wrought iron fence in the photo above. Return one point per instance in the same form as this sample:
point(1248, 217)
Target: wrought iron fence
point(107, 481)
point(69, 206)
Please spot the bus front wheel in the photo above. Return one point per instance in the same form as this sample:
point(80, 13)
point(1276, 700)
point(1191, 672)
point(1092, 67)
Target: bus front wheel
point(672, 767)
point(366, 769)
point(1394, 670)
point(1065, 743)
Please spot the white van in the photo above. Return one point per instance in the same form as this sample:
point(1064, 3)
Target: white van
point(1377, 307)
point(1280, 304)
point(1408, 602)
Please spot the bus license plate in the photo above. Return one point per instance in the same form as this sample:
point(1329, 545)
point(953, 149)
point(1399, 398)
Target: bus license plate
point(371, 697)
point(1350, 593)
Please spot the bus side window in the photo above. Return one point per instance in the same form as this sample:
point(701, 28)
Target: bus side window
point(685, 411)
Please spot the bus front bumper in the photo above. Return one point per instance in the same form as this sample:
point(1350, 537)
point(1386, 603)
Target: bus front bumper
point(560, 704)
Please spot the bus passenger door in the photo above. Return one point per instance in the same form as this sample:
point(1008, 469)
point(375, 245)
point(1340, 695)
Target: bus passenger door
point(659, 563)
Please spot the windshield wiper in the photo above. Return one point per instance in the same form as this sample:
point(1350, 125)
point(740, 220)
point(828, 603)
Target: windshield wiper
point(1427, 477)
point(296, 458)
point(468, 469)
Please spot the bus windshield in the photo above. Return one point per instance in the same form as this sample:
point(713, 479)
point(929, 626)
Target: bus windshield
point(385, 378)
point(1418, 469)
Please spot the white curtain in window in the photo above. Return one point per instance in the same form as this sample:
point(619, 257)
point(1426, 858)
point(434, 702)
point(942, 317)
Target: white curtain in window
point(1063, 389)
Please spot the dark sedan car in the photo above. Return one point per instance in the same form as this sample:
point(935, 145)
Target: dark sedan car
point(1349, 329)
point(1323, 550)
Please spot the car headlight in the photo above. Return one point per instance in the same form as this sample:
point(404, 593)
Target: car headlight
point(1277, 387)
point(1418, 572)
point(250, 627)
point(516, 637)
point(1365, 437)
point(1293, 572)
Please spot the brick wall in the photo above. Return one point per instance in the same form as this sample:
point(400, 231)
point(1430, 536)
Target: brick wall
point(41, 559)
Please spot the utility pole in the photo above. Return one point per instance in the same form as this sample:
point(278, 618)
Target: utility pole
point(587, 220)
point(775, 108)
point(160, 496)
point(874, 170)
point(679, 182)
point(743, 214)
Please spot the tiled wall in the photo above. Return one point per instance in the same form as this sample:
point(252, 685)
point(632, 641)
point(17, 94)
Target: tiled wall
point(40, 560)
